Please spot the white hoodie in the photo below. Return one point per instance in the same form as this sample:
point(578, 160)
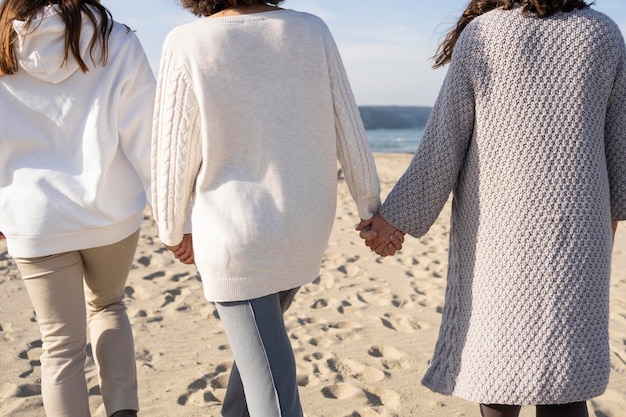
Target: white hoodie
point(74, 146)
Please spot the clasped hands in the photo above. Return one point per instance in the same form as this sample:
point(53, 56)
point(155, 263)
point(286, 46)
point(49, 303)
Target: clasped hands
point(380, 236)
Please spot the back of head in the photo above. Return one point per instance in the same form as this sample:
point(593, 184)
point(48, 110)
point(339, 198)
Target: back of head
point(209, 7)
point(72, 12)
point(539, 8)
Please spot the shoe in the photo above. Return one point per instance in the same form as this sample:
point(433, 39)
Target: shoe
point(125, 413)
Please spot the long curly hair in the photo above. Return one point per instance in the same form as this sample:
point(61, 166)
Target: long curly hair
point(209, 7)
point(71, 11)
point(540, 8)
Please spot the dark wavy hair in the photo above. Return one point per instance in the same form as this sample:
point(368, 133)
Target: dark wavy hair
point(71, 11)
point(209, 7)
point(540, 8)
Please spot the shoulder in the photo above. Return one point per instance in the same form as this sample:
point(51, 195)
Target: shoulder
point(308, 28)
point(181, 32)
point(123, 35)
point(598, 25)
point(304, 18)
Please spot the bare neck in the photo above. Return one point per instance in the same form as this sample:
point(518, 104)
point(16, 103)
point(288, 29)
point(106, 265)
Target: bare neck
point(234, 11)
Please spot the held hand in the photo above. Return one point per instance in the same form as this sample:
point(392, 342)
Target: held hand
point(371, 229)
point(184, 250)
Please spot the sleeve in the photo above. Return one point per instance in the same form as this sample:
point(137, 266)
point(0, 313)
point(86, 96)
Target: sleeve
point(353, 147)
point(135, 111)
point(615, 139)
point(421, 192)
point(176, 150)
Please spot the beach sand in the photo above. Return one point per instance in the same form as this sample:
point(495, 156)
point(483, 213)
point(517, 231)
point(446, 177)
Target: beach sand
point(363, 332)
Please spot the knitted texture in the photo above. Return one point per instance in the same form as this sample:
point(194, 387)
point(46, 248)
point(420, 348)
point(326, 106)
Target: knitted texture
point(529, 134)
point(253, 112)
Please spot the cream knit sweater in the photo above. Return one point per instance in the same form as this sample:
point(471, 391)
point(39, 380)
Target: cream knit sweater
point(252, 114)
point(529, 132)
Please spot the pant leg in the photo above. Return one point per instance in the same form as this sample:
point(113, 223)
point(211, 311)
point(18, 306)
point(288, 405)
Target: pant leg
point(263, 381)
point(235, 404)
point(563, 410)
point(55, 287)
point(106, 269)
point(499, 410)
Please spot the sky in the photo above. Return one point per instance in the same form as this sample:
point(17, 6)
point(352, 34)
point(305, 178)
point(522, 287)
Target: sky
point(386, 46)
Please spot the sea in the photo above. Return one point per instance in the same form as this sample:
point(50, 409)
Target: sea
point(395, 140)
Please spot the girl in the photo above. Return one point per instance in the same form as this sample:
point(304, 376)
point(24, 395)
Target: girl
point(253, 111)
point(529, 133)
point(76, 94)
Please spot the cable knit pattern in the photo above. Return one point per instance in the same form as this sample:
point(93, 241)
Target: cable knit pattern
point(253, 113)
point(529, 134)
point(175, 163)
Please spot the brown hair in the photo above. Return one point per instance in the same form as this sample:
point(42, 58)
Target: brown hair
point(540, 8)
point(71, 12)
point(209, 7)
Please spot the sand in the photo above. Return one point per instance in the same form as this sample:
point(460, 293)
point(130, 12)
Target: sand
point(363, 332)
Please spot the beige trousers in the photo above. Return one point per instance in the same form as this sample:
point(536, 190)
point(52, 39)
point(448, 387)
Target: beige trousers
point(65, 308)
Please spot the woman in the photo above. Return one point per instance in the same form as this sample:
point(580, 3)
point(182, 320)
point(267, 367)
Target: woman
point(529, 133)
point(76, 94)
point(253, 110)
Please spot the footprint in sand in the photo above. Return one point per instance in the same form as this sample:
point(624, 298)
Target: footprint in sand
point(400, 322)
point(207, 390)
point(154, 275)
point(390, 357)
point(28, 354)
point(312, 368)
point(356, 370)
point(18, 391)
point(371, 396)
point(343, 392)
point(335, 332)
point(403, 301)
point(344, 307)
point(324, 282)
point(377, 397)
point(377, 296)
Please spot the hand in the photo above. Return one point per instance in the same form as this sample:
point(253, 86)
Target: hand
point(184, 250)
point(2, 236)
point(371, 229)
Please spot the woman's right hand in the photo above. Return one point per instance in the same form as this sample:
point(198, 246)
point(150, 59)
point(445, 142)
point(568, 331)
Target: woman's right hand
point(184, 250)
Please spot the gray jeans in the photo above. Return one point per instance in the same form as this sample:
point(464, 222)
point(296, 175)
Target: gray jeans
point(263, 379)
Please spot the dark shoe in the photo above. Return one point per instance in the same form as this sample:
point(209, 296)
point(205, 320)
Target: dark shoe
point(125, 413)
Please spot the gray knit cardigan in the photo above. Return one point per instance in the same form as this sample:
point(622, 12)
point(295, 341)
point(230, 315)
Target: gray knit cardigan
point(529, 133)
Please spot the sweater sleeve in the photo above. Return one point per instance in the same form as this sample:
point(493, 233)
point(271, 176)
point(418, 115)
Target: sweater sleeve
point(176, 150)
point(420, 194)
point(353, 148)
point(615, 140)
point(135, 112)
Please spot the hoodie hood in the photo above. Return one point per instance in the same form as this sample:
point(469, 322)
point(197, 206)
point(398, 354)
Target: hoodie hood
point(40, 48)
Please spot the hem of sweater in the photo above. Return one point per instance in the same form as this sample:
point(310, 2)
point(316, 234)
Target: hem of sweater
point(515, 398)
point(36, 246)
point(228, 288)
